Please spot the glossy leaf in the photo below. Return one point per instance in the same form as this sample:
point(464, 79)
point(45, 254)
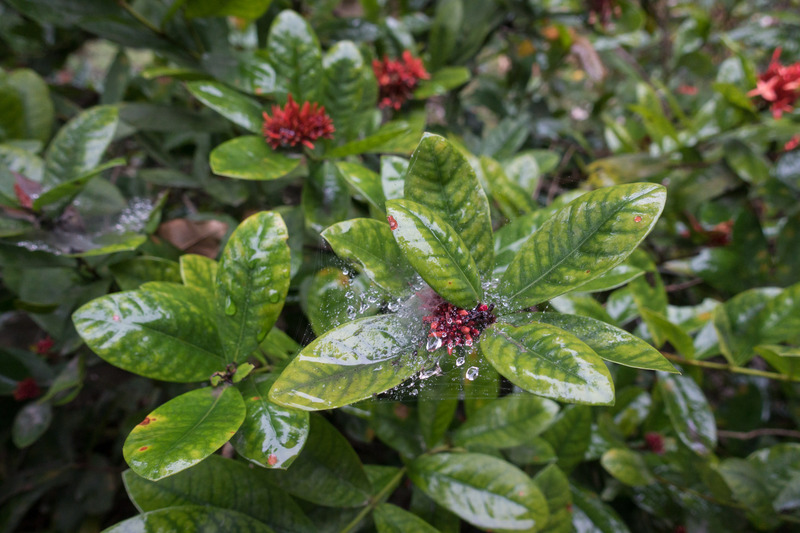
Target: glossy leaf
point(485, 491)
point(329, 300)
point(750, 489)
point(569, 435)
point(78, 147)
point(365, 183)
point(30, 423)
point(376, 142)
point(614, 278)
point(343, 87)
point(442, 81)
point(222, 483)
point(780, 318)
point(440, 178)
point(167, 334)
point(438, 402)
point(327, 472)
point(246, 70)
point(67, 190)
point(555, 488)
point(392, 519)
point(548, 361)
point(509, 421)
point(37, 107)
point(689, 412)
point(444, 31)
point(252, 282)
point(295, 55)
point(370, 245)
point(131, 274)
point(627, 466)
point(609, 342)
point(245, 9)
point(271, 436)
point(198, 271)
point(664, 330)
point(250, 158)
point(183, 432)
point(348, 364)
point(581, 241)
point(591, 515)
point(436, 251)
point(510, 238)
point(229, 103)
point(190, 518)
point(325, 199)
point(393, 174)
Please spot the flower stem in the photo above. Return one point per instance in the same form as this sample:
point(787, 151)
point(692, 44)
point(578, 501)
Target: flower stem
point(731, 368)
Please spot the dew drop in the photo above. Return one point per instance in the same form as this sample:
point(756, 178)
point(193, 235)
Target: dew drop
point(430, 372)
point(349, 295)
point(230, 307)
point(351, 312)
point(262, 334)
point(460, 361)
point(472, 373)
point(433, 344)
point(274, 297)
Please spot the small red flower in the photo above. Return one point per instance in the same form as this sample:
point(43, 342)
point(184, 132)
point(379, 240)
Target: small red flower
point(451, 326)
point(44, 346)
point(295, 125)
point(689, 90)
point(655, 442)
point(27, 389)
point(779, 85)
point(397, 79)
point(602, 11)
point(792, 143)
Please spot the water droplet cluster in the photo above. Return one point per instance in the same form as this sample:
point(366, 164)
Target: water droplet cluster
point(452, 326)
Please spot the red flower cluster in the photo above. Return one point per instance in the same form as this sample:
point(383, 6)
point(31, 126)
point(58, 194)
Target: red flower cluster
point(655, 442)
point(27, 389)
point(602, 11)
point(779, 85)
point(453, 327)
point(397, 79)
point(44, 346)
point(294, 125)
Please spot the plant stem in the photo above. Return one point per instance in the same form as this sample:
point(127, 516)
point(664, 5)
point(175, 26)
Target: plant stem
point(731, 368)
point(374, 501)
point(747, 435)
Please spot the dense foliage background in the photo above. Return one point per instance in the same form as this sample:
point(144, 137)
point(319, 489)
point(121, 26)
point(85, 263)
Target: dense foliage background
point(140, 140)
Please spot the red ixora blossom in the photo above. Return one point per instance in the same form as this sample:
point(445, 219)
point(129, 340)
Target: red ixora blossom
point(779, 85)
point(397, 79)
point(44, 346)
point(295, 125)
point(451, 326)
point(27, 389)
point(602, 11)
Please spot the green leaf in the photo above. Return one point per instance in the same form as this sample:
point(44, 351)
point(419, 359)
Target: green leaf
point(348, 364)
point(369, 244)
point(442, 81)
point(221, 483)
point(591, 515)
point(512, 200)
point(661, 328)
point(30, 423)
point(393, 176)
point(229, 103)
point(183, 432)
point(271, 436)
point(78, 147)
point(509, 239)
point(570, 435)
point(780, 319)
point(365, 183)
point(444, 31)
point(20, 160)
point(614, 278)
point(485, 491)
point(252, 283)
point(689, 412)
point(555, 488)
point(505, 139)
point(250, 158)
point(167, 334)
point(750, 489)
point(66, 191)
point(548, 361)
point(581, 241)
point(440, 178)
point(510, 421)
point(738, 323)
point(393, 519)
point(326, 300)
point(438, 401)
point(131, 274)
point(343, 88)
point(246, 70)
point(627, 466)
point(328, 471)
point(436, 251)
point(246, 9)
point(325, 199)
point(198, 271)
point(190, 518)
point(374, 143)
point(295, 55)
point(37, 107)
point(609, 342)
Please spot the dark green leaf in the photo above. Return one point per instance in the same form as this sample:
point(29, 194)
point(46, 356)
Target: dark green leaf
point(343, 88)
point(392, 519)
point(36, 104)
point(67, 190)
point(134, 272)
point(250, 158)
point(750, 489)
point(438, 401)
point(30, 423)
point(689, 412)
point(582, 241)
point(510, 421)
point(374, 143)
point(190, 518)
point(738, 323)
point(229, 103)
point(569, 435)
point(252, 282)
point(780, 319)
point(246, 9)
point(591, 515)
point(444, 31)
point(295, 55)
point(627, 466)
point(555, 488)
point(364, 183)
point(436, 251)
point(183, 432)
point(442, 81)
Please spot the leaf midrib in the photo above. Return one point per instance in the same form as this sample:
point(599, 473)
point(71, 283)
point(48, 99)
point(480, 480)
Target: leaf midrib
point(524, 348)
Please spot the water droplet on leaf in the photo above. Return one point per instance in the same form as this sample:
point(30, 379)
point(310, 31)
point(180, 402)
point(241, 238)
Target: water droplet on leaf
point(472, 373)
point(230, 307)
point(433, 344)
point(460, 361)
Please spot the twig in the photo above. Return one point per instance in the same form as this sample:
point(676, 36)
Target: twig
point(684, 285)
point(730, 368)
point(747, 435)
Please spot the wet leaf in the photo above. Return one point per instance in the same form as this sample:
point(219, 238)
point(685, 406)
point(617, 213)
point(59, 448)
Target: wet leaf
point(248, 9)
point(392, 519)
point(581, 241)
point(30, 423)
point(250, 158)
point(750, 489)
point(348, 364)
point(252, 282)
point(271, 436)
point(485, 491)
point(365, 183)
point(442, 81)
point(440, 178)
point(569, 435)
point(295, 55)
point(509, 421)
point(66, 191)
point(738, 323)
point(627, 466)
point(183, 432)
point(780, 319)
point(221, 483)
point(131, 274)
point(327, 472)
point(198, 271)
point(591, 515)
point(190, 518)
point(167, 334)
point(437, 404)
point(436, 251)
point(393, 173)
point(689, 412)
point(78, 146)
point(343, 90)
point(548, 361)
point(555, 488)
point(36, 104)
point(370, 245)
point(614, 278)
point(229, 103)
